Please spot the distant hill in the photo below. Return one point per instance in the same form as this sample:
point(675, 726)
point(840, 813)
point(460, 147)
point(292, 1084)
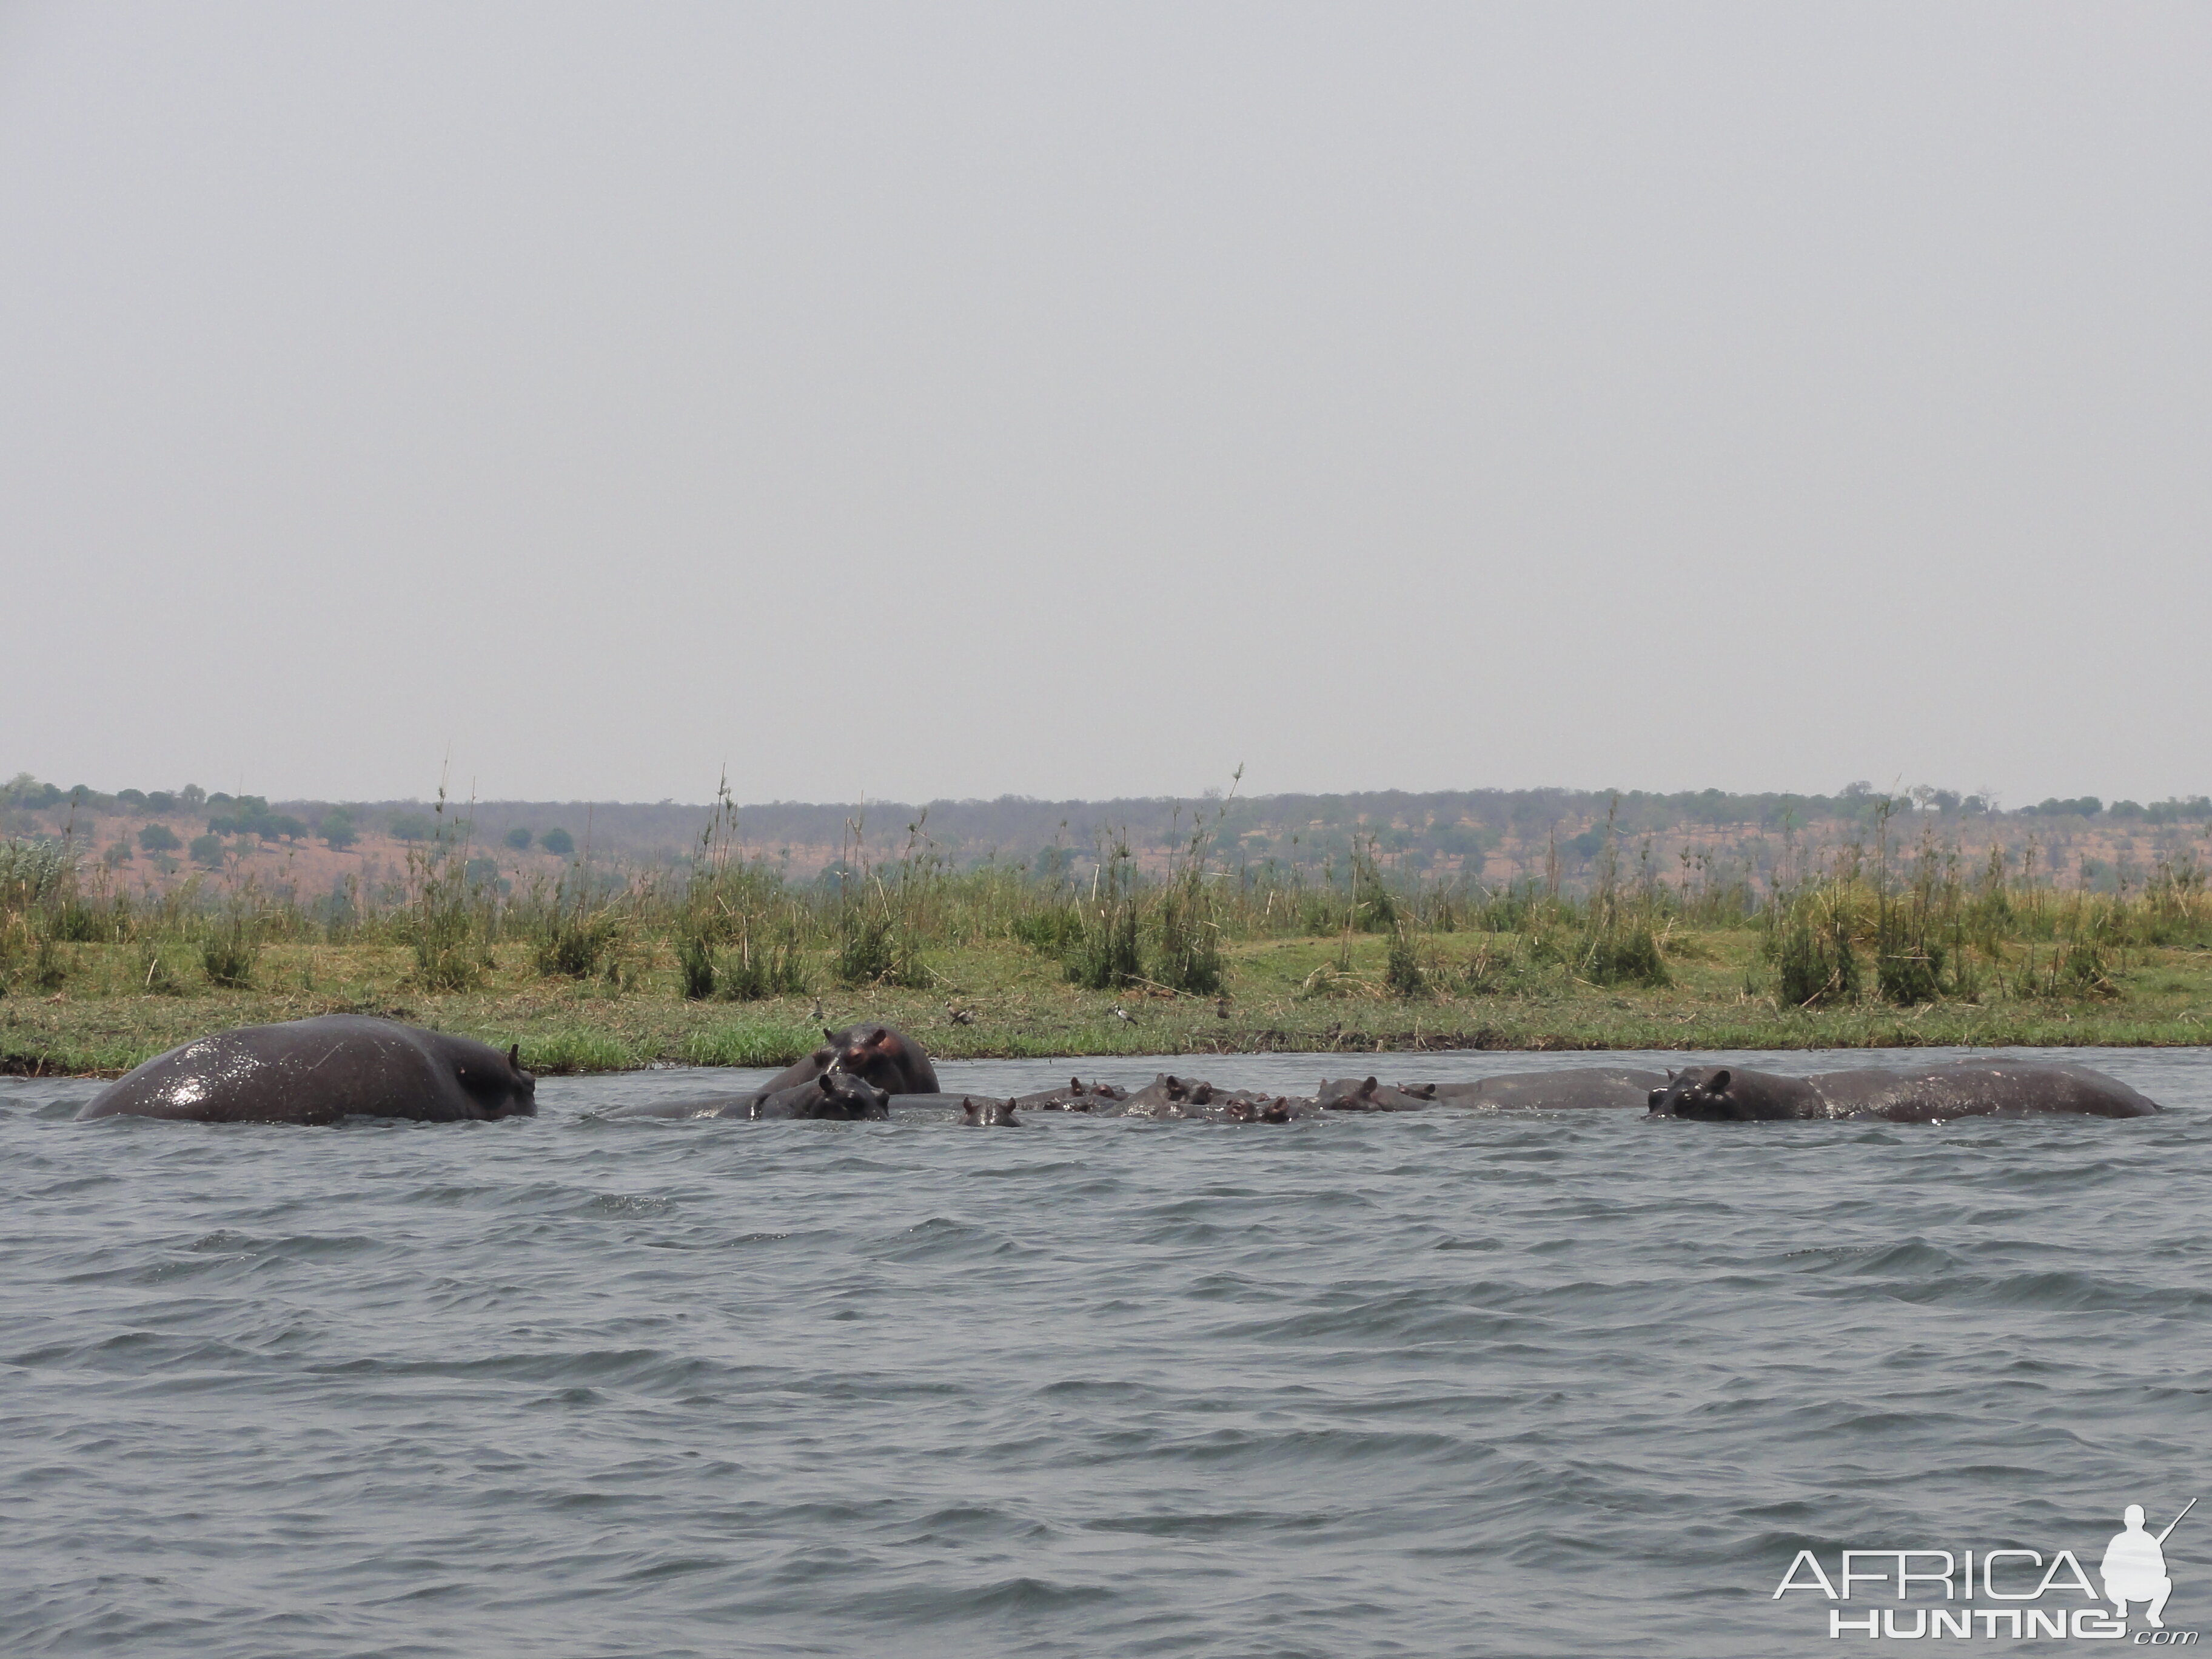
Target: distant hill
point(1493, 834)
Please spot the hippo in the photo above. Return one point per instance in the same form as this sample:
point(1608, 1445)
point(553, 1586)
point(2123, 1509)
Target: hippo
point(1169, 1096)
point(1166, 1096)
point(1243, 1108)
point(1929, 1094)
point(988, 1114)
point(1366, 1095)
point(321, 1071)
point(1573, 1087)
point(837, 1095)
point(890, 1060)
point(1076, 1096)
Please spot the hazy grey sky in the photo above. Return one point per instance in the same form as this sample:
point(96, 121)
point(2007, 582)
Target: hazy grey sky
point(934, 399)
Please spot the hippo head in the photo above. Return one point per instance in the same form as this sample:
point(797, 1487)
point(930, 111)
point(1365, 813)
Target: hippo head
point(1708, 1095)
point(988, 1114)
point(873, 1052)
point(500, 1088)
point(844, 1095)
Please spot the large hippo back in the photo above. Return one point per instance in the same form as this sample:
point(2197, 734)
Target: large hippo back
point(319, 1070)
point(1979, 1088)
point(1923, 1094)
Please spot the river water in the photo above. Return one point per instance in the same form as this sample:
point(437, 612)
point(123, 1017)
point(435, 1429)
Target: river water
point(1524, 1384)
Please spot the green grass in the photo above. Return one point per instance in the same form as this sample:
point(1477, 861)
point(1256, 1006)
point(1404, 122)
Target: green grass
point(1719, 994)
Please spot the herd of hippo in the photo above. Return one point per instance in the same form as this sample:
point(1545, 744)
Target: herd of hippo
point(325, 1070)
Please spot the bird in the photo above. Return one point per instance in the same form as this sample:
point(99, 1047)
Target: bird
point(1123, 1014)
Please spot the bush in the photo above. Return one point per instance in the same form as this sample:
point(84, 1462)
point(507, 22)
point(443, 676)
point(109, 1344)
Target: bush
point(1625, 954)
point(1054, 933)
point(557, 841)
point(83, 924)
point(208, 850)
point(1373, 902)
point(413, 826)
point(758, 973)
point(1108, 959)
point(519, 838)
point(1908, 976)
point(871, 951)
point(1401, 975)
point(1190, 943)
point(695, 966)
point(1815, 963)
point(336, 828)
point(229, 956)
point(574, 946)
point(159, 838)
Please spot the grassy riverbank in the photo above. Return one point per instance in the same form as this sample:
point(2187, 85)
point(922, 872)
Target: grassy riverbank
point(716, 961)
point(1331, 994)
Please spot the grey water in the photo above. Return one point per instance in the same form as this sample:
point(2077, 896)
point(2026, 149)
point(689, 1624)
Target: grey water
point(1452, 1383)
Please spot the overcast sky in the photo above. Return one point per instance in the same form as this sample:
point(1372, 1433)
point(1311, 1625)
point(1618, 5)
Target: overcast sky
point(924, 400)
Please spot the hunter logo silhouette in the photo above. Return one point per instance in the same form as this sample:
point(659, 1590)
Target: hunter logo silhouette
point(2134, 1567)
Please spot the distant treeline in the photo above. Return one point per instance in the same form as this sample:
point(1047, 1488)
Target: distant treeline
point(1412, 830)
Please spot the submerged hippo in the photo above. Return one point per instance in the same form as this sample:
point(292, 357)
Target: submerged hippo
point(1168, 1096)
point(1575, 1086)
point(1972, 1088)
point(832, 1095)
point(988, 1114)
point(320, 1070)
point(1366, 1095)
point(1076, 1096)
point(890, 1060)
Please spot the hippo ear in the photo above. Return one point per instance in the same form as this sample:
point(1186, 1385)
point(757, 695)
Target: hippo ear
point(823, 1084)
point(829, 1036)
point(1718, 1081)
point(514, 1057)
